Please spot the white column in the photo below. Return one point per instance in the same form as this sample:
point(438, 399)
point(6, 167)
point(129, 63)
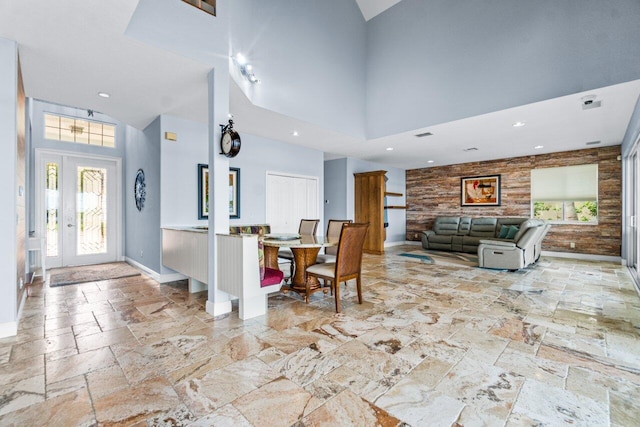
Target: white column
point(218, 302)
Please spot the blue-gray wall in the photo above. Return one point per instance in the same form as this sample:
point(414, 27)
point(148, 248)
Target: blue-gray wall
point(142, 228)
point(335, 190)
point(340, 192)
point(261, 155)
point(179, 170)
point(8, 190)
point(435, 61)
point(310, 56)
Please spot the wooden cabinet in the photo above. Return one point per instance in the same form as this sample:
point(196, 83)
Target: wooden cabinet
point(369, 207)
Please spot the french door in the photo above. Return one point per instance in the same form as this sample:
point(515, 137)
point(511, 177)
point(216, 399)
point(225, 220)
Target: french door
point(77, 208)
point(290, 198)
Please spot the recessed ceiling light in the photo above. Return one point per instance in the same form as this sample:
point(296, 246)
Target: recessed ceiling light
point(389, 148)
point(537, 147)
point(518, 124)
point(294, 133)
point(103, 94)
point(429, 161)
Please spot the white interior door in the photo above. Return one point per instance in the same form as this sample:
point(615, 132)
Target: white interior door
point(78, 209)
point(290, 198)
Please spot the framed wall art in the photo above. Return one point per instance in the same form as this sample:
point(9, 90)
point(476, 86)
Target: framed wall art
point(203, 191)
point(480, 190)
point(234, 193)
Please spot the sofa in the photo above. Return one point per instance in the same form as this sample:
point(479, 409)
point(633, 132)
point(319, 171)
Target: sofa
point(463, 234)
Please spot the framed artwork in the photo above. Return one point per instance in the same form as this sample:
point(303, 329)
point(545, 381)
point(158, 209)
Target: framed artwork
point(203, 191)
point(234, 193)
point(480, 190)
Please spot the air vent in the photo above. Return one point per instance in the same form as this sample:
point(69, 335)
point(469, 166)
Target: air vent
point(422, 135)
point(470, 149)
point(593, 143)
point(591, 105)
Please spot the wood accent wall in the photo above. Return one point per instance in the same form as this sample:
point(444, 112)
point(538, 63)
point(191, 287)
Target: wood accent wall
point(433, 192)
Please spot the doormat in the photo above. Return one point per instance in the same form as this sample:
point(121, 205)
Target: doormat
point(90, 273)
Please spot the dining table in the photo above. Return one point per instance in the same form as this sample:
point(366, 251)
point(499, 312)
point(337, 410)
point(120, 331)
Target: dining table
point(305, 249)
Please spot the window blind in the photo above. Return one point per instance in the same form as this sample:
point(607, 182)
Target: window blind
point(566, 184)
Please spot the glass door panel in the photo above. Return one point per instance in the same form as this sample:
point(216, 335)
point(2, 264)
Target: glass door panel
point(77, 209)
point(91, 211)
point(88, 210)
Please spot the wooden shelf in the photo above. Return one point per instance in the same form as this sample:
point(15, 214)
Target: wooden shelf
point(389, 194)
point(395, 207)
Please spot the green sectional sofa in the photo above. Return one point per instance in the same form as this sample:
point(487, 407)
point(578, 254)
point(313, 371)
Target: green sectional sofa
point(463, 234)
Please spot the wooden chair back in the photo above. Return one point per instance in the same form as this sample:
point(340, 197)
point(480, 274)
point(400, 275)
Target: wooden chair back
point(349, 256)
point(308, 227)
point(334, 228)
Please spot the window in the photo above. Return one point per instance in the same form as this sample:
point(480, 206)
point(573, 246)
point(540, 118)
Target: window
point(208, 6)
point(565, 194)
point(70, 129)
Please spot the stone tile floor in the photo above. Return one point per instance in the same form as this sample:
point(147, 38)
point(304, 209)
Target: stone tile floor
point(554, 344)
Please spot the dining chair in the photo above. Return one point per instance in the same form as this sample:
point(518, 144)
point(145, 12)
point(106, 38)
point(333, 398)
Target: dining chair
point(334, 227)
point(348, 263)
point(307, 227)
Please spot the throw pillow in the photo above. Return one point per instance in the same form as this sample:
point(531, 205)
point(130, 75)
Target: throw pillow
point(504, 231)
point(513, 230)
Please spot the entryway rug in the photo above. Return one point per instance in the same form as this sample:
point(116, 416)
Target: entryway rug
point(442, 258)
point(90, 273)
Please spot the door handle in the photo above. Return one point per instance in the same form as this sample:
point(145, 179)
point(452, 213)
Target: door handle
point(69, 225)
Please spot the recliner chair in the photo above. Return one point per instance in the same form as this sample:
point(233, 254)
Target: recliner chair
point(524, 250)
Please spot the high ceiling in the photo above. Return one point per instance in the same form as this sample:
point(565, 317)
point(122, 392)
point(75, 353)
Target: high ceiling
point(73, 49)
point(372, 8)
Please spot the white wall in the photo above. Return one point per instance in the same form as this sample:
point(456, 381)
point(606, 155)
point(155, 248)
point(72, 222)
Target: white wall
point(8, 137)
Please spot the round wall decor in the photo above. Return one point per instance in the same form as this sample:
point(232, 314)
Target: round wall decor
point(139, 190)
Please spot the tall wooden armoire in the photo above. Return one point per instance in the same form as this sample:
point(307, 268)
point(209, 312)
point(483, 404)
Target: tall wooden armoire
point(369, 207)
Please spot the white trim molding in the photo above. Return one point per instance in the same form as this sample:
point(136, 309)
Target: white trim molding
point(160, 278)
point(8, 329)
point(585, 257)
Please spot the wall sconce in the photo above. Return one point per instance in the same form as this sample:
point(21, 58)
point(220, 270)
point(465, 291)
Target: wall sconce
point(246, 69)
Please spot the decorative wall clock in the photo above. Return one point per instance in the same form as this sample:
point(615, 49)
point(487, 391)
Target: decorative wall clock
point(229, 141)
point(139, 190)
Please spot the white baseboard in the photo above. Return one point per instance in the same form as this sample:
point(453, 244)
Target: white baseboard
point(413, 243)
point(8, 329)
point(160, 278)
point(584, 257)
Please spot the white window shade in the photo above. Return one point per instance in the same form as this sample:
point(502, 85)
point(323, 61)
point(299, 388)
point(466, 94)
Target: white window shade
point(566, 184)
